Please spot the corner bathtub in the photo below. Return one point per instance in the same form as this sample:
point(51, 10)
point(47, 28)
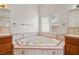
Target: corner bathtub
point(39, 45)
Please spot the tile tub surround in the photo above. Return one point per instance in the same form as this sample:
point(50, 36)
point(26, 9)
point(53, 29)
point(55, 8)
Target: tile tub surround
point(19, 36)
point(18, 48)
point(39, 49)
point(46, 34)
point(38, 40)
point(24, 51)
point(56, 36)
point(33, 39)
point(40, 46)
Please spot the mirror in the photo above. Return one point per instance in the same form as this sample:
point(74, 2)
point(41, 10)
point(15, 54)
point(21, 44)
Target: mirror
point(5, 21)
point(73, 23)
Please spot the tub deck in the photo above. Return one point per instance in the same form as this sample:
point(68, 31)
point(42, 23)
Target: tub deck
point(35, 43)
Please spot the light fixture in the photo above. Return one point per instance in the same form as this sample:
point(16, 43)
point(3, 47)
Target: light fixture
point(76, 8)
point(3, 6)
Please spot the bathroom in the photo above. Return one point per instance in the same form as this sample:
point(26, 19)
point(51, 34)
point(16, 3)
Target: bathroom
point(38, 29)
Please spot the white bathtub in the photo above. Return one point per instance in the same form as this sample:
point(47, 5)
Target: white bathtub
point(39, 45)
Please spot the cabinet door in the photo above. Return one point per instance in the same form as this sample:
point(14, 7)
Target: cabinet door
point(5, 47)
point(8, 53)
point(5, 40)
point(71, 49)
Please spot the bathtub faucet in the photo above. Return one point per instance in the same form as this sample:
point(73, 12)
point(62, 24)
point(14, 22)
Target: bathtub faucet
point(27, 42)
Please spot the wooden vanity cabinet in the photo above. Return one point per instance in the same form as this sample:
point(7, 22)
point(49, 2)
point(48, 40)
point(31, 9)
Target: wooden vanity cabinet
point(71, 45)
point(6, 47)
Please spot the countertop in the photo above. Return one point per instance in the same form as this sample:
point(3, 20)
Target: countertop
point(72, 35)
point(5, 35)
point(5, 32)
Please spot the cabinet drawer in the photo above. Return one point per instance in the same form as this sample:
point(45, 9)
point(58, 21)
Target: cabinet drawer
point(72, 49)
point(5, 47)
point(6, 39)
point(8, 53)
point(72, 41)
point(5, 51)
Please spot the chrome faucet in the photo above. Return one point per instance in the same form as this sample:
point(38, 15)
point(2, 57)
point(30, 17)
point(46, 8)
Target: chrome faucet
point(27, 42)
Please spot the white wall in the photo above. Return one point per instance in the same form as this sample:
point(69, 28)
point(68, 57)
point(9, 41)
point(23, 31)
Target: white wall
point(24, 14)
point(61, 10)
point(29, 14)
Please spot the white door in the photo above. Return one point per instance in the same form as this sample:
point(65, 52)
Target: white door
point(45, 24)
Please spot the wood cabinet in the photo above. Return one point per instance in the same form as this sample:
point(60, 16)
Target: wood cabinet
point(71, 45)
point(6, 47)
